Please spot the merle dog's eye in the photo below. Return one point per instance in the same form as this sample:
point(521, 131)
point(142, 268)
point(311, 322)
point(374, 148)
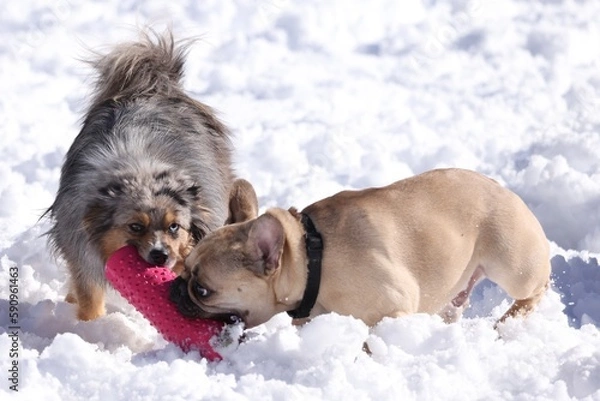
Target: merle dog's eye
point(201, 292)
point(173, 228)
point(136, 228)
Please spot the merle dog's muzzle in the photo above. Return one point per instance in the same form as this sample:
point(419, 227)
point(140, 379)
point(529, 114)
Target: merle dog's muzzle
point(158, 256)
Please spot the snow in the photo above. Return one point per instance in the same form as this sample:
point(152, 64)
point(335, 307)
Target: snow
point(323, 96)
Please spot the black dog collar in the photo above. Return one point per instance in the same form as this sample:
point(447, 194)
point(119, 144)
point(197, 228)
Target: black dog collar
point(314, 252)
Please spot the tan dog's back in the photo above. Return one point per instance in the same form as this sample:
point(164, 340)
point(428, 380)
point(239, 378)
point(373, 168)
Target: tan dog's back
point(414, 245)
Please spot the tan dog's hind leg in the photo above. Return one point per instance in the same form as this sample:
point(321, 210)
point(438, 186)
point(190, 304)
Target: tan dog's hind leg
point(519, 263)
point(522, 307)
point(453, 311)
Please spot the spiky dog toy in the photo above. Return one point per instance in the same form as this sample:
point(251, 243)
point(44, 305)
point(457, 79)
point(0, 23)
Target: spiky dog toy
point(146, 287)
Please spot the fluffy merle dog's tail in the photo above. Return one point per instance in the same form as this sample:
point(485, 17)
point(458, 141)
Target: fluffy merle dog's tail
point(154, 64)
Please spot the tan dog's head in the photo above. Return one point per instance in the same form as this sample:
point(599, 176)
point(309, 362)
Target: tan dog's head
point(232, 270)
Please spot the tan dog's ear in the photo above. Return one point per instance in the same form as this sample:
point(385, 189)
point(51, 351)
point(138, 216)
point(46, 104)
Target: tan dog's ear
point(266, 239)
point(243, 203)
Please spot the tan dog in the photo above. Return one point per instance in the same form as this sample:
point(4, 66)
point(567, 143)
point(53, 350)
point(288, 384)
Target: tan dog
point(418, 245)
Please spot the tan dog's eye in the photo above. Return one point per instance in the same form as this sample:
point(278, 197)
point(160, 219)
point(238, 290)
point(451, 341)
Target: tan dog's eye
point(173, 228)
point(199, 291)
point(136, 228)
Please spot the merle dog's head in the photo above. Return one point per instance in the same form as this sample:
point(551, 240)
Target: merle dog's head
point(158, 212)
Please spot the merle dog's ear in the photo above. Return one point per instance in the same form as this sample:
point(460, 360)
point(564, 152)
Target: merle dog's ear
point(266, 238)
point(98, 219)
point(98, 215)
point(199, 229)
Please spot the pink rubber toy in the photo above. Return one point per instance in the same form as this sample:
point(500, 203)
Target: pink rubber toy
point(146, 287)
